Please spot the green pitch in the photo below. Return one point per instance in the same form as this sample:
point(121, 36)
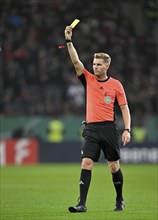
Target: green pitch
point(45, 191)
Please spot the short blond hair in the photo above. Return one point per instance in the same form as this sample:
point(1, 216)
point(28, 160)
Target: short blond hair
point(104, 56)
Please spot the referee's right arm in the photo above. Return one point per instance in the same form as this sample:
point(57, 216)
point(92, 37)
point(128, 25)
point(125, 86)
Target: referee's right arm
point(72, 51)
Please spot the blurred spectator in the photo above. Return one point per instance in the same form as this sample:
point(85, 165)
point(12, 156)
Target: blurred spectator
point(139, 134)
point(34, 77)
point(22, 132)
point(55, 130)
point(75, 96)
point(151, 10)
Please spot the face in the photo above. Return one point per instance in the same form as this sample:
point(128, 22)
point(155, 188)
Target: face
point(100, 67)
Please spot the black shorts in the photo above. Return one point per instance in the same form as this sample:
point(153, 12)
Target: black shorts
point(101, 136)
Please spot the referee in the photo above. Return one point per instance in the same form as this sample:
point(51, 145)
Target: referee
point(100, 132)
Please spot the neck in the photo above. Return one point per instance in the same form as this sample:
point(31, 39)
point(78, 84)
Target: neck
point(102, 78)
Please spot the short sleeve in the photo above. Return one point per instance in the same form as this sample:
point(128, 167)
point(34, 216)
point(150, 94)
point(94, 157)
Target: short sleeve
point(87, 73)
point(121, 96)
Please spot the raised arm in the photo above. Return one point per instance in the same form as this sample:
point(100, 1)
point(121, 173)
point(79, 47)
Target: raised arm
point(72, 51)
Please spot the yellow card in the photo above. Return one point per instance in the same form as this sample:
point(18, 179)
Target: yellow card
point(74, 23)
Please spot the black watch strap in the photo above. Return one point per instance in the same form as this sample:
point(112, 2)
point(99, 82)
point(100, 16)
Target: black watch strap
point(127, 129)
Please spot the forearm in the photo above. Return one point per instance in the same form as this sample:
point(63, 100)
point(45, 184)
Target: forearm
point(75, 59)
point(126, 116)
point(73, 53)
point(126, 137)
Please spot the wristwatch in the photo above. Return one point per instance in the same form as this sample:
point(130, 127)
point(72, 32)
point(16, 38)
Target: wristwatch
point(127, 129)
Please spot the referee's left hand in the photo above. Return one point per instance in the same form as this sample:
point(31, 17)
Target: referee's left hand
point(126, 137)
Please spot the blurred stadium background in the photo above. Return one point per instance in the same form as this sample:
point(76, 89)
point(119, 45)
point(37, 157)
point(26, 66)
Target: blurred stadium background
point(41, 102)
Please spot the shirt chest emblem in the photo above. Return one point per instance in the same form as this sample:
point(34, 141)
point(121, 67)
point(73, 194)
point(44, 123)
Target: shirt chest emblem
point(107, 99)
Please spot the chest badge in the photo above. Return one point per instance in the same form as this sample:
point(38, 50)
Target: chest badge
point(107, 99)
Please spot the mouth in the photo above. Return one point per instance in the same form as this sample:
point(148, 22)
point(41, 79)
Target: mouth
point(96, 72)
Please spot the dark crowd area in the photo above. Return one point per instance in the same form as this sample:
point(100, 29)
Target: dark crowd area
point(38, 78)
